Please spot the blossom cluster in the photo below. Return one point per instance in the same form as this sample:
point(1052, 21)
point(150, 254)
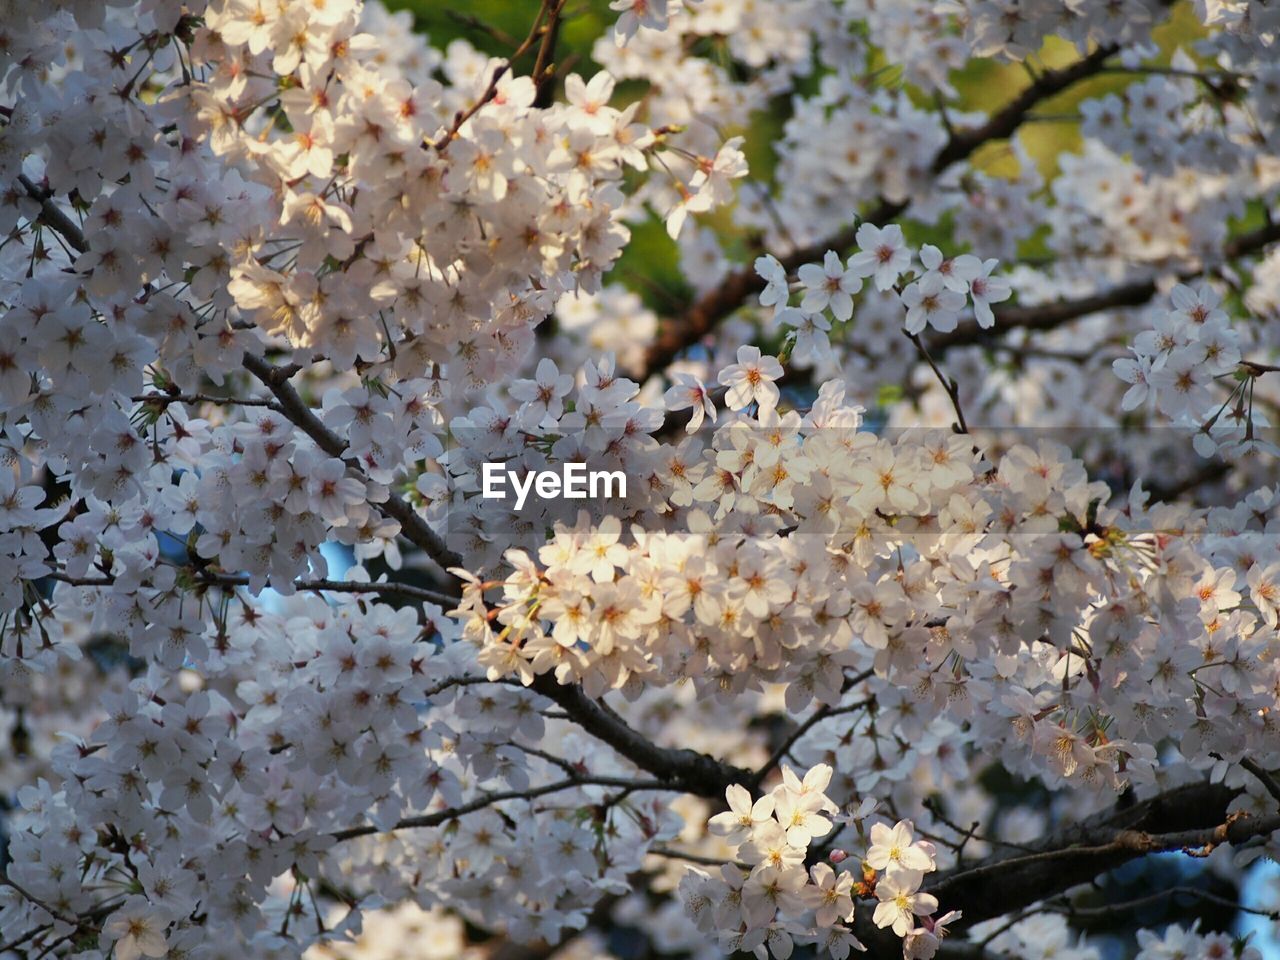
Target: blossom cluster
point(775, 899)
point(273, 284)
point(944, 558)
point(269, 789)
point(940, 290)
point(1178, 364)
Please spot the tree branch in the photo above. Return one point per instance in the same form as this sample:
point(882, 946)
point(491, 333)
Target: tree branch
point(1111, 909)
point(489, 799)
point(1192, 818)
point(949, 384)
point(276, 379)
point(544, 66)
point(491, 90)
point(1263, 776)
point(676, 335)
point(54, 216)
point(417, 530)
point(1002, 124)
point(822, 713)
point(161, 400)
point(209, 578)
point(1049, 316)
point(6, 881)
point(686, 770)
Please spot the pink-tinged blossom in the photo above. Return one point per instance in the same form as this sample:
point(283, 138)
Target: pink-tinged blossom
point(883, 254)
point(751, 380)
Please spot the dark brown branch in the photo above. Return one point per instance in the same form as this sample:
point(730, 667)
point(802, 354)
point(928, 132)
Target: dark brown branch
point(687, 770)
point(475, 23)
point(544, 70)
point(7, 881)
point(24, 937)
point(54, 217)
point(160, 400)
point(276, 379)
point(1049, 316)
point(1112, 909)
point(489, 799)
point(698, 320)
point(1263, 776)
point(209, 578)
point(414, 528)
point(822, 713)
point(949, 384)
point(1003, 123)
point(1192, 818)
point(706, 861)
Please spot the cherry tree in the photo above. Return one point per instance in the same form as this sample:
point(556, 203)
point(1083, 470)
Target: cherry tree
point(945, 588)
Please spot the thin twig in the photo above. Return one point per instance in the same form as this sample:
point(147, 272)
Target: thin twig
point(442, 142)
point(213, 579)
point(695, 858)
point(1050, 316)
point(164, 399)
point(823, 713)
point(1111, 909)
point(543, 67)
point(489, 799)
point(686, 769)
point(948, 383)
point(702, 315)
point(475, 23)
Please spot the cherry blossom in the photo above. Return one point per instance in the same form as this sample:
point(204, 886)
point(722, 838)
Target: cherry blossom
point(690, 393)
point(751, 380)
point(883, 254)
point(137, 930)
point(900, 900)
point(830, 285)
point(942, 590)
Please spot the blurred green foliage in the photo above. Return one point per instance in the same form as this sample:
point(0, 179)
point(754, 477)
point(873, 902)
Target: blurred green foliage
point(493, 25)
